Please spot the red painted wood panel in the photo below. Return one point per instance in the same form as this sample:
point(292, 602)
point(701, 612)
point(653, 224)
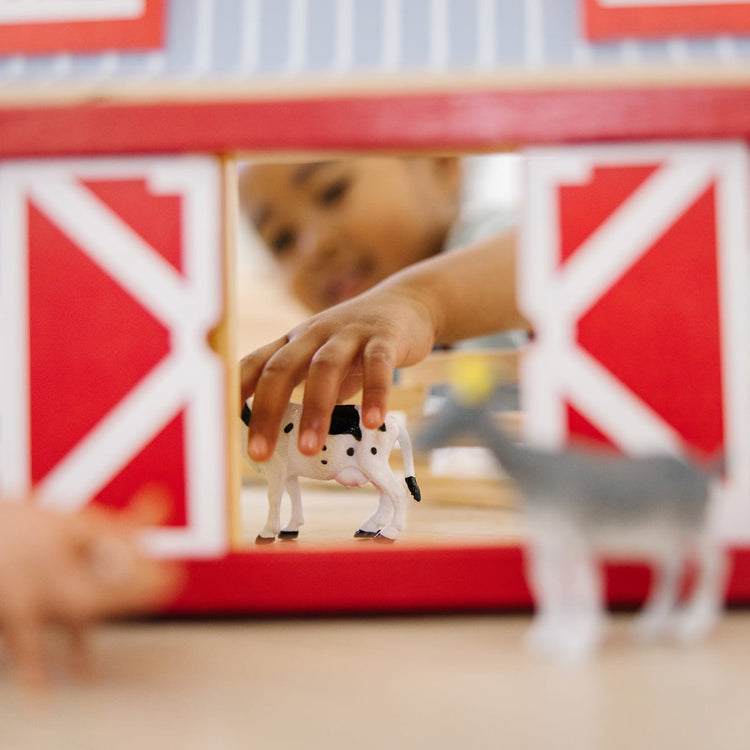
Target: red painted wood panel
point(613, 20)
point(280, 581)
point(80, 35)
point(452, 120)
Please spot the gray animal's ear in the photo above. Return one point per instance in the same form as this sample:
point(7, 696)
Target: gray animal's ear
point(245, 414)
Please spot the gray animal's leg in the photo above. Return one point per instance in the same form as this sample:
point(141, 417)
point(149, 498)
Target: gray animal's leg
point(584, 602)
point(565, 581)
point(705, 605)
point(373, 523)
point(542, 570)
point(657, 616)
point(291, 529)
point(273, 520)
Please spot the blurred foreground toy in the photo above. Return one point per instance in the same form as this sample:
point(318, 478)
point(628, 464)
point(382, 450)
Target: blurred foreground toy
point(582, 504)
point(353, 456)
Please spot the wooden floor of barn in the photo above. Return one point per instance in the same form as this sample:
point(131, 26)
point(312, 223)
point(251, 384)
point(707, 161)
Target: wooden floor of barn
point(333, 514)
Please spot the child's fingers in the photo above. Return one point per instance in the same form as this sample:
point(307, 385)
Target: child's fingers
point(105, 540)
point(252, 366)
point(162, 583)
point(378, 364)
point(282, 372)
point(150, 506)
point(351, 384)
point(107, 573)
point(25, 648)
point(327, 371)
point(114, 579)
point(79, 661)
point(121, 578)
point(151, 585)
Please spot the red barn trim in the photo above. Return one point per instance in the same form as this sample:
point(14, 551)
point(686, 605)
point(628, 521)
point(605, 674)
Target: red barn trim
point(463, 120)
point(126, 34)
point(280, 581)
point(604, 21)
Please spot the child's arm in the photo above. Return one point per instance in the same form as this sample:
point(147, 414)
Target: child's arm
point(465, 293)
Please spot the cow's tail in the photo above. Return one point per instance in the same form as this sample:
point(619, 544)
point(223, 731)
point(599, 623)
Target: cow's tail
point(408, 457)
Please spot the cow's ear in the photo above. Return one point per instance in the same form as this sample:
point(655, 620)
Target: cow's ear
point(245, 414)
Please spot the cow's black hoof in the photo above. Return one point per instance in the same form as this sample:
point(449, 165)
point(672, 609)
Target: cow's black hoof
point(288, 534)
point(361, 534)
point(384, 539)
point(265, 539)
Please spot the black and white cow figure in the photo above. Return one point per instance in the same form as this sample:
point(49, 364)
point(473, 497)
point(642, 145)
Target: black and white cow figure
point(353, 456)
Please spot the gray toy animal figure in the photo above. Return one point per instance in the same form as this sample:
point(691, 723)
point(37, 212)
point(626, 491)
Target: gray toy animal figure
point(353, 456)
point(579, 504)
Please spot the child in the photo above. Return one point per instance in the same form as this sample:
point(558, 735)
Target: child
point(71, 570)
point(340, 228)
point(336, 228)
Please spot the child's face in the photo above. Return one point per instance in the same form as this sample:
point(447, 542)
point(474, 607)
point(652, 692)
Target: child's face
point(338, 227)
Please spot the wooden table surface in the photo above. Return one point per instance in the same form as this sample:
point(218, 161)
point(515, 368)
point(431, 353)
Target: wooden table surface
point(392, 682)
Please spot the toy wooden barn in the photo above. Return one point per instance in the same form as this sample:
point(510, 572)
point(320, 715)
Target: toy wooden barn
point(121, 124)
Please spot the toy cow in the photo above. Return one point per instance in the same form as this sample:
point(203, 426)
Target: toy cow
point(580, 504)
point(353, 456)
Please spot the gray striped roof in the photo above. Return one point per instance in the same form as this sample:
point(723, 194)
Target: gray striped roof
point(237, 40)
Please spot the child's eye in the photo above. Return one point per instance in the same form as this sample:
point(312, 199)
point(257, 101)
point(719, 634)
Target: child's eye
point(333, 193)
point(282, 242)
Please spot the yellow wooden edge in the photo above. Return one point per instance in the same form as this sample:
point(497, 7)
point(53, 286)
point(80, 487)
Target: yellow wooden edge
point(437, 368)
point(170, 89)
point(229, 349)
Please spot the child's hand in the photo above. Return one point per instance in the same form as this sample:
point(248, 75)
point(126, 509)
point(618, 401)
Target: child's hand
point(71, 570)
point(354, 345)
point(465, 293)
